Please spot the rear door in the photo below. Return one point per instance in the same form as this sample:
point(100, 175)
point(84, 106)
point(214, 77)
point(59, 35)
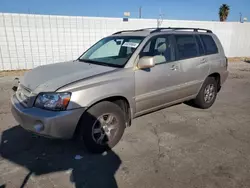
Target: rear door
point(212, 54)
point(193, 64)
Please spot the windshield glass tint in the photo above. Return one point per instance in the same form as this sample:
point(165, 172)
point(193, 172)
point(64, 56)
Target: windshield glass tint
point(112, 51)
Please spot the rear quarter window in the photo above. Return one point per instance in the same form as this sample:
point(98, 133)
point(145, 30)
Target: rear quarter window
point(209, 44)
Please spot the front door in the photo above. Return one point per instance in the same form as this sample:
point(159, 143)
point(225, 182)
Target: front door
point(157, 86)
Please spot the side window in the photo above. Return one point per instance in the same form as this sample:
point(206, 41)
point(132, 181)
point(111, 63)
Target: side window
point(200, 47)
point(186, 46)
point(160, 48)
point(146, 49)
point(160, 40)
point(209, 44)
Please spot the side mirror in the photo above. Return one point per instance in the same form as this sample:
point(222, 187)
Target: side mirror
point(146, 62)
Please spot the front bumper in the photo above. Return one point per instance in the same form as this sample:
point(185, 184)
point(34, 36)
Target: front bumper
point(46, 123)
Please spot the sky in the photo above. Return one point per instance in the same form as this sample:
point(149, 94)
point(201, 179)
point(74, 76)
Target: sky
point(171, 9)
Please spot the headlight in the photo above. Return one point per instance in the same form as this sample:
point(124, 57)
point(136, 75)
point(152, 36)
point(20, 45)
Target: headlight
point(53, 101)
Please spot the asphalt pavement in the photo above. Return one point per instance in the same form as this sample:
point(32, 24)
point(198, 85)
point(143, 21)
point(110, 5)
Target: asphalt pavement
point(180, 147)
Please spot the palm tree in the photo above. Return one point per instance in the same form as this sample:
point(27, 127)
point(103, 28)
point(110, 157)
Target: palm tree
point(223, 12)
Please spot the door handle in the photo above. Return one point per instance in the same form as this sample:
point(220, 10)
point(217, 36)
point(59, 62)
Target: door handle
point(174, 67)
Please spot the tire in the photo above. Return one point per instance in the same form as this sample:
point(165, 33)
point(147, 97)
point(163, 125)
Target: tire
point(90, 126)
point(200, 100)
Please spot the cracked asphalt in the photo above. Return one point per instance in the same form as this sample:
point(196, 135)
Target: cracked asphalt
point(180, 147)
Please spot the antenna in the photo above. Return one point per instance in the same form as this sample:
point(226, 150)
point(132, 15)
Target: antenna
point(160, 19)
point(140, 11)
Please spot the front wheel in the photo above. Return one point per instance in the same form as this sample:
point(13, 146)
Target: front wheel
point(102, 126)
point(207, 94)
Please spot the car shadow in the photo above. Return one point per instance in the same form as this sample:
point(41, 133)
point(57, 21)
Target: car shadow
point(42, 156)
point(191, 103)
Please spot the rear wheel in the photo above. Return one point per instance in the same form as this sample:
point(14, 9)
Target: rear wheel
point(207, 94)
point(102, 126)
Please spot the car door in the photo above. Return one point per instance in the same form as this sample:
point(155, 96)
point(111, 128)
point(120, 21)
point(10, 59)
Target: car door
point(193, 64)
point(211, 55)
point(156, 87)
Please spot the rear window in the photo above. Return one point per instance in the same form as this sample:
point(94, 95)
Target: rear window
point(209, 44)
point(186, 46)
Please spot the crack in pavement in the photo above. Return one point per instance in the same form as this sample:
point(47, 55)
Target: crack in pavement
point(159, 153)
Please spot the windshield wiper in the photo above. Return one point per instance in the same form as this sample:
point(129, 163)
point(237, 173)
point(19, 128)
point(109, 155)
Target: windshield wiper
point(88, 61)
point(99, 63)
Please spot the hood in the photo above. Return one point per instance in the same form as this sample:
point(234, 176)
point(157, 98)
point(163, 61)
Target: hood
point(49, 78)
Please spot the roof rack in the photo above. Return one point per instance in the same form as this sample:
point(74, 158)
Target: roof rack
point(154, 30)
point(181, 28)
point(125, 31)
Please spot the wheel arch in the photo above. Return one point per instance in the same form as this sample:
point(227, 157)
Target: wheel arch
point(217, 77)
point(121, 101)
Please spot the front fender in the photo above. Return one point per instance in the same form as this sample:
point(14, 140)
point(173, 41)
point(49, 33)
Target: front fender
point(85, 94)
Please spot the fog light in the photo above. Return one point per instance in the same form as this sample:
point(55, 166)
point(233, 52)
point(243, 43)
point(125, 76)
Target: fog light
point(39, 127)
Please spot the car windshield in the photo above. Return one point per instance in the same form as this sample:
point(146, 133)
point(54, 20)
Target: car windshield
point(112, 51)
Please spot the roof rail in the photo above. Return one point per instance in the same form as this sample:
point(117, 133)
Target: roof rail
point(154, 30)
point(181, 28)
point(125, 31)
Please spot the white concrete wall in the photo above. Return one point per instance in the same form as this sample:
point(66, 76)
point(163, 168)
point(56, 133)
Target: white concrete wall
point(27, 41)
